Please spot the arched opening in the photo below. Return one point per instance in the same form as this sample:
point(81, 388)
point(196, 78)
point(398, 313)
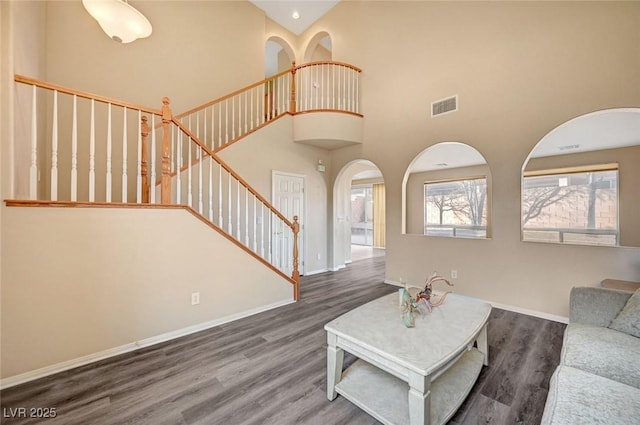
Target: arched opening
point(359, 223)
point(446, 192)
point(580, 182)
point(319, 48)
point(278, 56)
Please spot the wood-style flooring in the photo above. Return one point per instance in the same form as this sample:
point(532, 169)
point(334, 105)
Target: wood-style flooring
point(270, 369)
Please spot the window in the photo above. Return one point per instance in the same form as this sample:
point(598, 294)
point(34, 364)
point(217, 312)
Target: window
point(572, 205)
point(456, 208)
point(362, 215)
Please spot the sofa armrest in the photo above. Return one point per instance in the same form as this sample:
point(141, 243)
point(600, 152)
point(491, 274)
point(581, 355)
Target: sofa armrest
point(596, 306)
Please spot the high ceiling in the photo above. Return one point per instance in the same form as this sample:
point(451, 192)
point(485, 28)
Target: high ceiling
point(309, 11)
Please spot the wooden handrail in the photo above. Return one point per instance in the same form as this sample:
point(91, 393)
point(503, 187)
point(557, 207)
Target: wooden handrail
point(230, 95)
point(224, 165)
point(292, 70)
point(85, 95)
point(346, 65)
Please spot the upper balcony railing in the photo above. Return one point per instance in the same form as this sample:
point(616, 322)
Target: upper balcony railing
point(316, 86)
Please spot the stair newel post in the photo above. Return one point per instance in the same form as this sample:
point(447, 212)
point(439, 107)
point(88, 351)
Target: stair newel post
point(292, 100)
point(165, 190)
point(144, 162)
point(296, 273)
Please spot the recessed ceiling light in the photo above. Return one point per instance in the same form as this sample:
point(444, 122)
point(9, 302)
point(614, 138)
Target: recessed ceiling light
point(295, 15)
point(442, 164)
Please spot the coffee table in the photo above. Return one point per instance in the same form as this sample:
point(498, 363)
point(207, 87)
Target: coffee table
point(408, 376)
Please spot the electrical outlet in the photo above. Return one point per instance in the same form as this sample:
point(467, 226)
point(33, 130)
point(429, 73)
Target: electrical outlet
point(195, 298)
point(454, 274)
point(318, 256)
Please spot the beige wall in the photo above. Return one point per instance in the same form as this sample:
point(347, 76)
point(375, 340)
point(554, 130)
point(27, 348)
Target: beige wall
point(415, 193)
point(182, 59)
point(272, 149)
point(520, 69)
point(108, 290)
point(628, 160)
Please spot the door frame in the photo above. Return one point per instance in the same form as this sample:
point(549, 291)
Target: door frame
point(302, 220)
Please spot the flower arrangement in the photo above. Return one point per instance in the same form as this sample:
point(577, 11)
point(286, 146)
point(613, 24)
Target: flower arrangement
point(423, 302)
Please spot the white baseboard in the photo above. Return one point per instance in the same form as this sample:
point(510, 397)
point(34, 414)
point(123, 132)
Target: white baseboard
point(534, 313)
point(316, 272)
point(81, 361)
point(336, 268)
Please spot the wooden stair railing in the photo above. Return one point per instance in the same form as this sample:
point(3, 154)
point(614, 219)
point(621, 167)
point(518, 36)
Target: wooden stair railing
point(92, 154)
point(311, 87)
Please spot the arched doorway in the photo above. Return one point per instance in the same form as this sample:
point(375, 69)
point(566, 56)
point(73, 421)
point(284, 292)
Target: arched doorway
point(359, 228)
point(278, 56)
point(319, 48)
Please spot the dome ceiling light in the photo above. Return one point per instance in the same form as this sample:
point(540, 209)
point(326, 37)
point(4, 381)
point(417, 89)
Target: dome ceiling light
point(118, 19)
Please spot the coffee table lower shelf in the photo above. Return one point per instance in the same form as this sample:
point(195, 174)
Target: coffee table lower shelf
point(385, 397)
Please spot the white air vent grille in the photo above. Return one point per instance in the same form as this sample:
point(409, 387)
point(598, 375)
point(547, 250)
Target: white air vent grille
point(444, 106)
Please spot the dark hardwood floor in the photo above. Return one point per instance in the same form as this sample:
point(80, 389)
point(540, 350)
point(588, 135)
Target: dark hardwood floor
point(270, 369)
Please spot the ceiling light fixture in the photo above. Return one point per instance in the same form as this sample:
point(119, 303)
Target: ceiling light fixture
point(118, 19)
point(295, 15)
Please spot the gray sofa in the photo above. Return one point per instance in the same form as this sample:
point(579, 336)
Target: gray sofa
point(598, 379)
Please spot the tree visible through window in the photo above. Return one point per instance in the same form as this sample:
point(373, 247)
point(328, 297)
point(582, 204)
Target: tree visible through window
point(456, 208)
point(571, 207)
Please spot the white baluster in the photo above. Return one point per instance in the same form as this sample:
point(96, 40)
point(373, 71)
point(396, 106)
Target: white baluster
point(204, 122)
point(179, 169)
point(226, 121)
point(92, 154)
point(262, 230)
point(33, 169)
point(74, 151)
point(246, 216)
point(229, 222)
point(233, 118)
point(333, 85)
point(220, 214)
point(220, 124)
point(238, 234)
point(152, 178)
point(276, 257)
point(173, 149)
point(251, 117)
point(198, 126)
point(255, 223)
point(189, 164)
point(263, 108)
point(109, 159)
point(210, 189)
point(316, 85)
point(124, 155)
point(199, 155)
point(269, 236)
point(54, 149)
point(139, 162)
point(213, 129)
point(246, 105)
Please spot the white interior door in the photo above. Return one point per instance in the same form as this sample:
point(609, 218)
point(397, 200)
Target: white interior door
point(288, 198)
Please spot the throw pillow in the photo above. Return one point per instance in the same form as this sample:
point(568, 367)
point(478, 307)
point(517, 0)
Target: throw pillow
point(628, 320)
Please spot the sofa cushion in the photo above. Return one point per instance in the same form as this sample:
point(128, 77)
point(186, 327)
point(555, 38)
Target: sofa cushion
point(578, 397)
point(602, 351)
point(628, 320)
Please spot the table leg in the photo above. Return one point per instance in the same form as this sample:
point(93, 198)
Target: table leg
point(419, 399)
point(483, 345)
point(335, 358)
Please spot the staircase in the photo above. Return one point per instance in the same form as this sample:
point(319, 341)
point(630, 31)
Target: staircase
point(89, 150)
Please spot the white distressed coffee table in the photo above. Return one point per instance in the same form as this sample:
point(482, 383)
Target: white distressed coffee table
point(408, 376)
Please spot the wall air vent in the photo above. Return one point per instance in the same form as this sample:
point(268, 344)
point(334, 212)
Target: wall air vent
point(444, 106)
